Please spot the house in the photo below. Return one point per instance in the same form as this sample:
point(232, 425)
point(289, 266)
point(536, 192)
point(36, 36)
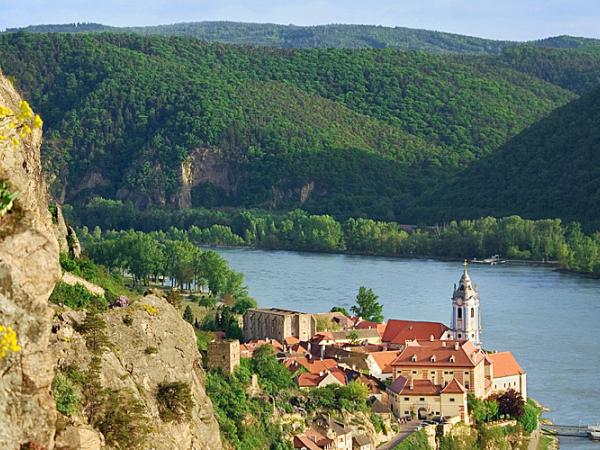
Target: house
point(311, 439)
point(293, 364)
point(335, 430)
point(309, 380)
point(441, 361)
point(397, 332)
point(362, 442)
point(382, 364)
point(423, 399)
point(367, 325)
point(274, 323)
point(507, 373)
point(247, 349)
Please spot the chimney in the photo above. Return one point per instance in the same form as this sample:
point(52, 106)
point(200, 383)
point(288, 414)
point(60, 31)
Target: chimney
point(431, 337)
point(444, 344)
point(456, 346)
point(412, 384)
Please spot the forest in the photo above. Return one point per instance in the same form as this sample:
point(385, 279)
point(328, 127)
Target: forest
point(548, 240)
point(368, 130)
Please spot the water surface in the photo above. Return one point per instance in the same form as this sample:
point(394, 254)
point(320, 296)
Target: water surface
point(549, 320)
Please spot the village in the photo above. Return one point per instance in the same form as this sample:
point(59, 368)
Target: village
point(418, 374)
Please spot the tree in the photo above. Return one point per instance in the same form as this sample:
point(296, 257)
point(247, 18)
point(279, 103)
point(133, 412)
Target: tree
point(529, 419)
point(367, 305)
point(188, 315)
point(272, 376)
point(511, 403)
point(340, 309)
point(353, 336)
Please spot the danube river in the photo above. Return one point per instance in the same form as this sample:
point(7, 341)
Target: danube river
point(549, 320)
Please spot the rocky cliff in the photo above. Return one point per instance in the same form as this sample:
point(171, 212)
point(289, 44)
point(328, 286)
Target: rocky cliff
point(29, 269)
point(147, 345)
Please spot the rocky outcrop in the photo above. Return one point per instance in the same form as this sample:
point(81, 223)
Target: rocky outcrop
point(29, 269)
point(149, 344)
point(204, 165)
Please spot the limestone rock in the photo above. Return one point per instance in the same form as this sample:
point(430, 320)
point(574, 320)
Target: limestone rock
point(29, 269)
point(130, 365)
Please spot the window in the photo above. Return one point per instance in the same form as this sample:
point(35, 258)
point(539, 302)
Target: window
point(422, 399)
point(460, 313)
point(406, 399)
point(472, 313)
point(466, 372)
point(452, 399)
point(407, 412)
point(414, 372)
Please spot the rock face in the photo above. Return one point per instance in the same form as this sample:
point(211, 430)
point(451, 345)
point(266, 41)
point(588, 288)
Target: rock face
point(29, 269)
point(151, 346)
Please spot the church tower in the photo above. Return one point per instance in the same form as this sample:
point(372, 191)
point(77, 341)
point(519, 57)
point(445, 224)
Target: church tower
point(466, 319)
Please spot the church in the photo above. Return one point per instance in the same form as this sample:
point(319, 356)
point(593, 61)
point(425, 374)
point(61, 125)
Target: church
point(433, 373)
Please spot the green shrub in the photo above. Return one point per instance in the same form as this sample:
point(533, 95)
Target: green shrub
point(65, 394)
point(174, 401)
point(122, 421)
point(76, 297)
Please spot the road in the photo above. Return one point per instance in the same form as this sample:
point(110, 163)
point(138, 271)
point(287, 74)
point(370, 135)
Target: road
point(405, 430)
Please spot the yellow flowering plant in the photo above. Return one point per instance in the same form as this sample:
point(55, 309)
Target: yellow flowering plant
point(8, 341)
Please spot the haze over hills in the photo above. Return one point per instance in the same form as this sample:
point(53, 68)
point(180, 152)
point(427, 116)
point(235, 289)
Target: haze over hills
point(321, 36)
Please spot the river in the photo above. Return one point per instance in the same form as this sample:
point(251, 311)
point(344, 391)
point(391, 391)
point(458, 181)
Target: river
point(549, 320)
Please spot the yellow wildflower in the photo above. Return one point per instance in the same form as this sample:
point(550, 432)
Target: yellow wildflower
point(25, 112)
point(15, 141)
point(8, 341)
point(37, 121)
point(152, 310)
point(25, 130)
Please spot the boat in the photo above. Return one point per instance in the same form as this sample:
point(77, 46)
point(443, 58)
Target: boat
point(594, 431)
point(492, 260)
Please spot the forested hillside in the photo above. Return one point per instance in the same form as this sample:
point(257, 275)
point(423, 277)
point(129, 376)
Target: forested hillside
point(322, 36)
point(551, 169)
point(344, 131)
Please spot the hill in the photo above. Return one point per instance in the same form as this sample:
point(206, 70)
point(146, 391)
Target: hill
point(549, 170)
point(169, 120)
point(321, 36)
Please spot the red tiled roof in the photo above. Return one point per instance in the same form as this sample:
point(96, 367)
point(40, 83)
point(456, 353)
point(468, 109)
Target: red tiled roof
point(385, 359)
point(250, 346)
point(414, 387)
point(400, 331)
point(505, 364)
point(302, 441)
point(314, 367)
point(366, 324)
point(454, 387)
point(439, 353)
point(314, 380)
point(291, 340)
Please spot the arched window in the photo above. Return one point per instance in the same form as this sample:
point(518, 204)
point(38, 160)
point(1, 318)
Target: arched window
point(460, 313)
point(472, 313)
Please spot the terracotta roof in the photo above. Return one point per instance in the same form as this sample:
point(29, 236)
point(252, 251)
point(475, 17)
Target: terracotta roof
point(505, 364)
point(314, 380)
point(291, 340)
point(385, 359)
point(400, 331)
point(302, 441)
point(250, 346)
point(367, 324)
point(454, 387)
point(312, 436)
point(419, 387)
point(322, 336)
point(447, 353)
